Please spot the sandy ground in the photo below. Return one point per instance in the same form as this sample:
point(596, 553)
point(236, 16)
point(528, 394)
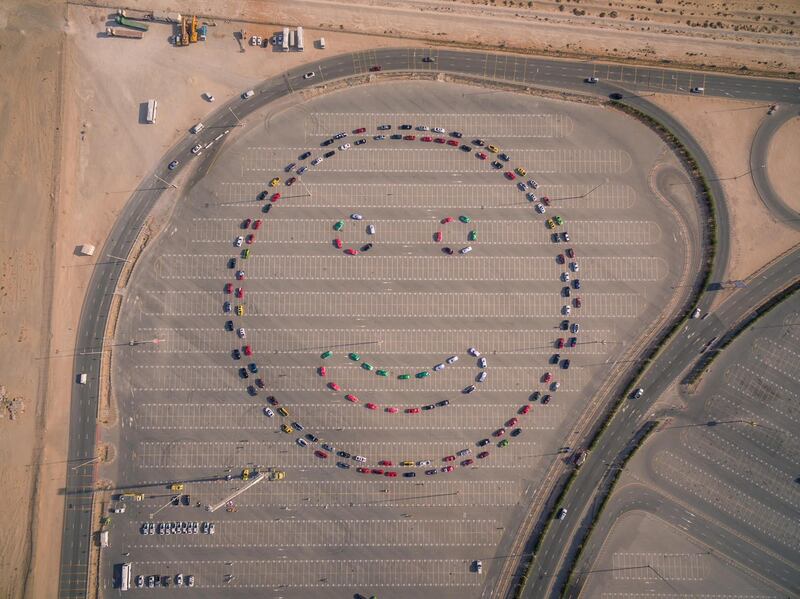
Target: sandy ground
point(730, 35)
point(782, 160)
point(726, 128)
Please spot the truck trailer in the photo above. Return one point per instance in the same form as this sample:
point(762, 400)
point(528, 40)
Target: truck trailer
point(131, 23)
point(299, 39)
point(126, 33)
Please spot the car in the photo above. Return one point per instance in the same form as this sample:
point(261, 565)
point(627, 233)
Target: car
point(344, 147)
point(290, 181)
point(468, 390)
point(405, 127)
point(431, 472)
point(444, 403)
point(638, 393)
point(370, 229)
point(697, 90)
point(337, 243)
point(540, 208)
point(574, 266)
point(430, 406)
point(260, 384)
point(371, 406)
point(287, 429)
point(196, 150)
point(575, 327)
point(439, 367)
point(367, 366)
point(390, 474)
point(239, 292)
point(345, 455)
point(525, 409)
point(493, 149)
point(281, 410)
point(521, 186)
point(591, 79)
point(479, 142)
point(363, 470)
point(380, 137)
point(482, 362)
point(481, 155)
point(696, 313)
point(422, 375)
point(483, 442)
point(226, 307)
point(317, 160)
point(326, 354)
point(466, 148)
point(289, 167)
point(520, 171)
point(547, 377)
point(559, 221)
point(447, 469)
point(535, 395)
point(309, 75)
point(298, 426)
point(381, 372)
point(385, 463)
point(338, 225)
point(392, 410)
point(403, 377)
point(449, 458)
point(334, 387)
point(472, 236)
point(238, 241)
point(241, 332)
point(140, 580)
point(322, 371)
point(565, 292)
point(560, 342)
point(483, 454)
point(565, 236)
point(474, 352)
point(423, 128)
point(252, 367)
point(447, 250)
point(440, 140)
point(274, 182)
point(240, 310)
point(321, 454)
point(412, 410)
point(572, 342)
point(427, 138)
point(437, 236)
point(504, 157)
point(173, 165)
point(268, 412)
point(565, 310)
point(351, 251)
point(565, 364)
point(576, 283)
point(384, 127)
point(329, 154)
point(503, 443)
point(375, 68)
point(312, 438)
point(465, 250)
point(377, 471)
point(545, 399)
point(555, 238)
point(577, 302)
point(452, 142)
point(409, 474)
point(452, 359)
point(356, 216)
point(457, 134)
point(327, 142)
point(237, 355)
point(561, 514)
point(555, 358)
point(422, 463)
point(301, 442)
point(304, 155)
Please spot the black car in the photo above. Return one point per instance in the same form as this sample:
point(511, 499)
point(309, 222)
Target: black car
point(443, 403)
point(396, 136)
point(572, 342)
point(271, 400)
point(457, 134)
point(466, 148)
point(409, 474)
point(343, 465)
point(384, 127)
point(447, 250)
point(516, 432)
point(252, 390)
point(504, 157)
point(297, 426)
point(535, 396)
point(229, 325)
point(366, 248)
point(343, 454)
point(260, 383)
point(232, 263)
point(266, 208)
point(253, 368)
point(311, 437)
point(554, 237)
point(497, 164)
point(565, 364)
point(361, 142)
point(576, 283)
point(564, 325)
point(483, 442)
point(565, 236)
point(329, 154)
point(304, 155)
point(405, 127)
point(546, 400)
point(555, 358)
point(429, 407)
point(243, 373)
point(237, 355)
point(327, 142)
point(565, 291)
point(479, 142)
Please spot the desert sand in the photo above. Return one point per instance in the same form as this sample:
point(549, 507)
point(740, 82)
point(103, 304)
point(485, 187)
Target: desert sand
point(782, 160)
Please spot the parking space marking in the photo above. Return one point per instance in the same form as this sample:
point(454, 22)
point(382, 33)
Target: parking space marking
point(777, 357)
point(438, 342)
point(395, 304)
point(338, 533)
point(658, 566)
point(420, 231)
point(739, 506)
point(313, 573)
point(352, 378)
point(611, 196)
point(333, 417)
point(291, 267)
point(547, 125)
point(220, 454)
point(741, 380)
point(413, 157)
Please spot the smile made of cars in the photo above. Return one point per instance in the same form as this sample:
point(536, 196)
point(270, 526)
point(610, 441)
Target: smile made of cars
point(326, 448)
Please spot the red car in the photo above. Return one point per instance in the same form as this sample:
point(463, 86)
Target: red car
point(321, 454)
point(290, 182)
point(337, 243)
point(481, 155)
point(246, 223)
point(410, 137)
point(466, 463)
point(512, 422)
point(570, 252)
point(510, 176)
point(371, 406)
point(499, 432)
point(545, 200)
point(376, 68)
point(351, 252)
point(391, 474)
point(378, 471)
point(560, 259)
point(547, 377)
point(360, 130)
point(440, 140)
point(239, 292)
point(392, 410)
point(275, 197)
point(450, 458)
point(560, 342)
point(351, 397)
point(525, 409)
point(257, 224)
point(412, 410)
point(577, 302)
point(447, 469)
point(322, 371)
point(228, 288)
point(426, 138)
point(248, 351)
point(437, 236)
point(452, 142)
point(447, 219)
point(483, 454)
point(250, 239)
point(334, 387)
point(363, 470)
point(385, 463)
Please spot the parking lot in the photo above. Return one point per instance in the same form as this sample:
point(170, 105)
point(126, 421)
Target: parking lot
point(189, 415)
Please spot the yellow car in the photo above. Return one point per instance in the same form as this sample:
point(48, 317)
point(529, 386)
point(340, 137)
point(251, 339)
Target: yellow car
point(176, 487)
point(240, 310)
point(283, 412)
point(493, 149)
point(287, 429)
point(550, 224)
point(520, 171)
point(407, 463)
point(275, 182)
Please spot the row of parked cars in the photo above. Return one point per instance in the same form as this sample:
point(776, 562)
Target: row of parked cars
point(156, 580)
point(177, 528)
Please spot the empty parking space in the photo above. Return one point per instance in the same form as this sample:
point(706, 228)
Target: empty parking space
point(658, 566)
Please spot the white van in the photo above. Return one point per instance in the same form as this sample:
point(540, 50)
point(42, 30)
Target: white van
point(197, 128)
point(248, 94)
point(322, 43)
point(82, 378)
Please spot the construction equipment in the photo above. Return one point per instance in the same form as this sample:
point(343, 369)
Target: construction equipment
point(176, 487)
point(246, 474)
point(193, 31)
point(126, 33)
point(184, 31)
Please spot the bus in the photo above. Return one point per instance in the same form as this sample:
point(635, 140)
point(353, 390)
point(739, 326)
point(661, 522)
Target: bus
point(299, 39)
point(291, 38)
point(125, 577)
point(152, 109)
point(285, 40)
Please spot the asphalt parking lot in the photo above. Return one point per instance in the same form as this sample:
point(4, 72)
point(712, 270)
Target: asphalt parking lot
point(404, 306)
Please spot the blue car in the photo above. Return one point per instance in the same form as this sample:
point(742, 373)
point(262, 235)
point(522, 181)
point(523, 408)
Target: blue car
point(226, 307)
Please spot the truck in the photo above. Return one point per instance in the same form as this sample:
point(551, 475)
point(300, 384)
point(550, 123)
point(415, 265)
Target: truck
point(291, 39)
point(131, 496)
point(152, 110)
point(104, 538)
point(164, 17)
point(203, 32)
point(197, 128)
point(126, 33)
point(285, 40)
point(125, 21)
point(299, 39)
point(193, 30)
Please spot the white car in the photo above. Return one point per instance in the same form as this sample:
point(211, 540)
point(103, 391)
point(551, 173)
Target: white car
point(482, 377)
point(438, 130)
point(317, 160)
point(639, 392)
point(370, 229)
point(212, 528)
point(196, 150)
point(465, 250)
point(424, 463)
point(575, 327)
point(310, 75)
point(592, 80)
point(179, 580)
point(209, 97)
point(140, 581)
point(463, 452)
point(190, 580)
point(344, 147)
point(269, 412)
point(540, 208)
point(302, 442)
point(259, 41)
point(474, 352)
point(697, 90)
point(478, 566)
point(239, 241)
point(565, 276)
point(438, 367)
point(533, 184)
point(452, 360)
point(482, 362)
point(565, 310)
point(356, 216)
point(360, 458)
point(241, 333)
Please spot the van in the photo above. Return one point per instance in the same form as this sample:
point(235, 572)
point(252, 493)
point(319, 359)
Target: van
point(82, 378)
point(197, 128)
point(248, 94)
point(322, 43)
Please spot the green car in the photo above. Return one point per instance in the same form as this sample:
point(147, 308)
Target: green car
point(423, 374)
point(465, 219)
point(382, 372)
point(246, 253)
point(354, 357)
point(503, 443)
point(367, 366)
point(404, 377)
point(338, 226)
point(559, 220)
point(326, 355)
point(473, 235)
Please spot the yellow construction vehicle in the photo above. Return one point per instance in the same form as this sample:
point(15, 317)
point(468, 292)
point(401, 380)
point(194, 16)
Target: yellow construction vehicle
point(193, 32)
point(176, 487)
point(246, 474)
point(277, 475)
point(132, 496)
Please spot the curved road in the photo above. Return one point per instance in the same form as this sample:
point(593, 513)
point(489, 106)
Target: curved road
point(530, 71)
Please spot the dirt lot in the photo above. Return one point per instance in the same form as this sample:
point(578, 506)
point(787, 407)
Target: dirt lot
point(726, 128)
point(782, 161)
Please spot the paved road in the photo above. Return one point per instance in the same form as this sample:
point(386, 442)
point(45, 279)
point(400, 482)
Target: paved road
point(758, 160)
point(556, 74)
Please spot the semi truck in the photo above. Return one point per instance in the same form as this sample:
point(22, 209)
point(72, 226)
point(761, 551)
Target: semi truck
point(299, 39)
point(131, 23)
point(164, 17)
point(285, 40)
point(126, 33)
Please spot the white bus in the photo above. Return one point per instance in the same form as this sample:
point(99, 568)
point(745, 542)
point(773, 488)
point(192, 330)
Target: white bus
point(285, 40)
point(291, 39)
point(152, 109)
point(125, 577)
point(299, 39)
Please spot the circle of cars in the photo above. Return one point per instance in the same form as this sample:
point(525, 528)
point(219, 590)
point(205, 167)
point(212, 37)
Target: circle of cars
point(472, 235)
point(499, 162)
